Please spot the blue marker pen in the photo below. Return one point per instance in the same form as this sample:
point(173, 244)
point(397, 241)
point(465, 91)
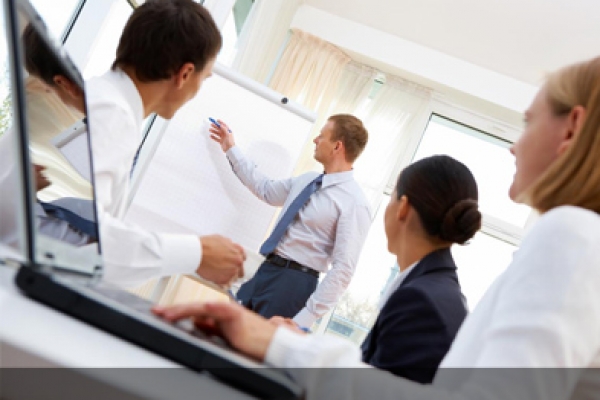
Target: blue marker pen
point(214, 122)
point(304, 329)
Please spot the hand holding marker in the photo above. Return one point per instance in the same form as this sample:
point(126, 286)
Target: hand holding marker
point(220, 133)
point(214, 122)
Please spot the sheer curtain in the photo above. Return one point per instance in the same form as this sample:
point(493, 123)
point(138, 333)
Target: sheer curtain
point(397, 107)
point(355, 85)
point(309, 70)
point(263, 35)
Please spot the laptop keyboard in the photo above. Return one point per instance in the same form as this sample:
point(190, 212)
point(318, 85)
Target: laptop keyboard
point(145, 306)
point(124, 297)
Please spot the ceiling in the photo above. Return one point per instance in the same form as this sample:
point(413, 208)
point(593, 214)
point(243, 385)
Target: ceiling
point(523, 39)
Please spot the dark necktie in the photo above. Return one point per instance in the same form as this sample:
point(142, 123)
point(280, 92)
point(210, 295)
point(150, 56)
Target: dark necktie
point(75, 221)
point(284, 222)
point(135, 160)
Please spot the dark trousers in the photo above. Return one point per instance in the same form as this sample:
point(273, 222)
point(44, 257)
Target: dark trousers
point(277, 291)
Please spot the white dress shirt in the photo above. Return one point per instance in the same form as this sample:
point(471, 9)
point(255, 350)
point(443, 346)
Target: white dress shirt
point(541, 314)
point(131, 254)
point(330, 228)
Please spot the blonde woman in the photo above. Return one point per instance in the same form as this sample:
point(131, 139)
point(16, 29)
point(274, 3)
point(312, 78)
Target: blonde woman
point(541, 318)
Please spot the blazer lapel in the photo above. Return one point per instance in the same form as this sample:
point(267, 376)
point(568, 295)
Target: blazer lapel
point(365, 347)
point(434, 261)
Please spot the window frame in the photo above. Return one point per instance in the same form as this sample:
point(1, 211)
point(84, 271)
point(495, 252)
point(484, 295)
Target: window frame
point(71, 22)
point(492, 226)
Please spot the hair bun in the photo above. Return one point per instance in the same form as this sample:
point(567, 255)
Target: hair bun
point(461, 222)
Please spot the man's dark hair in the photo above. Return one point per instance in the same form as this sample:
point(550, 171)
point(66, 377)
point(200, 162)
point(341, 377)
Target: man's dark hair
point(444, 193)
point(163, 35)
point(40, 61)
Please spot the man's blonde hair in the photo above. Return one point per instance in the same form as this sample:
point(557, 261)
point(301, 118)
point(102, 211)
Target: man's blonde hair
point(574, 178)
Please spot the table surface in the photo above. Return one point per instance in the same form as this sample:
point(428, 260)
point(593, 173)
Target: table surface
point(49, 338)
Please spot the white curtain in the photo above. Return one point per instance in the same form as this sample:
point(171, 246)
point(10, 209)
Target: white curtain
point(356, 82)
point(309, 70)
point(388, 117)
point(262, 37)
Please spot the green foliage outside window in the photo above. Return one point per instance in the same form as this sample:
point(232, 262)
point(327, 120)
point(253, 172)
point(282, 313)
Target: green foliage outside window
point(5, 114)
point(5, 105)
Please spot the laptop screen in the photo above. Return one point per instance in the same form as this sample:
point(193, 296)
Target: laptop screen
point(47, 100)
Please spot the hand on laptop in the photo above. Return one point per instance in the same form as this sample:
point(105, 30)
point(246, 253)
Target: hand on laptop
point(246, 331)
point(222, 260)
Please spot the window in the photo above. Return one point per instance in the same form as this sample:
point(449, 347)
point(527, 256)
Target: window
point(230, 36)
point(476, 269)
point(493, 166)
point(103, 50)
point(232, 29)
point(486, 156)
point(357, 309)
point(57, 14)
point(341, 328)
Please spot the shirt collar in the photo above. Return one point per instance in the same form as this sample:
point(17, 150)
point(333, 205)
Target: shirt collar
point(337, 177)
point(129, 90)
point(395, 284)
point(402, 275)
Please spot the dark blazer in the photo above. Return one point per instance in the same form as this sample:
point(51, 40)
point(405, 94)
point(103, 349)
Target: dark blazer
point(418, 323)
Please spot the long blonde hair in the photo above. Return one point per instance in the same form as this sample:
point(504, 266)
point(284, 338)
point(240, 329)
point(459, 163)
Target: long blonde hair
point(574, 178)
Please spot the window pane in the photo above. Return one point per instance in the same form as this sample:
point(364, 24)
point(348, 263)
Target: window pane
point(230, 36)
point(357, 309)
point(479, 263)
point(104, 48)
point(488, 159)
point(232, 29)
point(56, 14)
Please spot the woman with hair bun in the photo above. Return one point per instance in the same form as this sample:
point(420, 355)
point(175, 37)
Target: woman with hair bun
point(434, 206)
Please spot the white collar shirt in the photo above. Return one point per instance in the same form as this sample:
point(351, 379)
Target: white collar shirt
point(131, 254)
point(116, 115)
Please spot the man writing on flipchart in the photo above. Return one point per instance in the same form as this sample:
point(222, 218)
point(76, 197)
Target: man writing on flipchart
point(324, 220)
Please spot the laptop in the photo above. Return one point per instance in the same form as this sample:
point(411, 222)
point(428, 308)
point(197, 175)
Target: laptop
point(63, 268)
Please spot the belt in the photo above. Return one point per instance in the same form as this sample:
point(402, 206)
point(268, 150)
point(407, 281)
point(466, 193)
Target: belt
point(285, 263)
